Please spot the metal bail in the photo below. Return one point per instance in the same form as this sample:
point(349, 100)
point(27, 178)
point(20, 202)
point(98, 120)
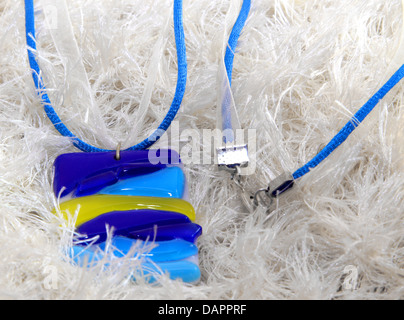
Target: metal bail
point(118, 152)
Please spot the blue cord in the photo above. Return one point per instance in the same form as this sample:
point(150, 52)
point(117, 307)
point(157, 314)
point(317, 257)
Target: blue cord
point(351, 125)
point(341, 136)
point(234, 36)
point(57, 122)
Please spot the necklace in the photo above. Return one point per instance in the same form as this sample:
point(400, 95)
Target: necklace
point(138, 195)
point(118, 189)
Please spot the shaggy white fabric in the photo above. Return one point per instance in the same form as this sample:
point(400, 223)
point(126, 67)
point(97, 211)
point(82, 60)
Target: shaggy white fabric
point(302, 69)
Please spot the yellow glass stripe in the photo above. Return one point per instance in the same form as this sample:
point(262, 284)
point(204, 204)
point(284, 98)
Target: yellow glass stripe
point(91, 207)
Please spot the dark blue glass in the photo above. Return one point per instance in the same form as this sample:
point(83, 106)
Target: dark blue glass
point(73, 168)
point(188, 231)
point(141, 224)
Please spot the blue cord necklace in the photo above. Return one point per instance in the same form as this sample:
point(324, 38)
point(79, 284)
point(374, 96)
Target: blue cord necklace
point(138, 196)
point(286, 181)
point(141, 199)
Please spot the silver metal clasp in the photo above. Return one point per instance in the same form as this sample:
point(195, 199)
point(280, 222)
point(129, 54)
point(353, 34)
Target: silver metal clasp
point(281, 184)
point(275, 188)
point(235, 157)
point(231, 157)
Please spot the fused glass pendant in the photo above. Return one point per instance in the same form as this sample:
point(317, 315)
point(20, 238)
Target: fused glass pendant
point(142, 198)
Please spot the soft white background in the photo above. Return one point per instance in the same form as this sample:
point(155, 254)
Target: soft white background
point(302, 69)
